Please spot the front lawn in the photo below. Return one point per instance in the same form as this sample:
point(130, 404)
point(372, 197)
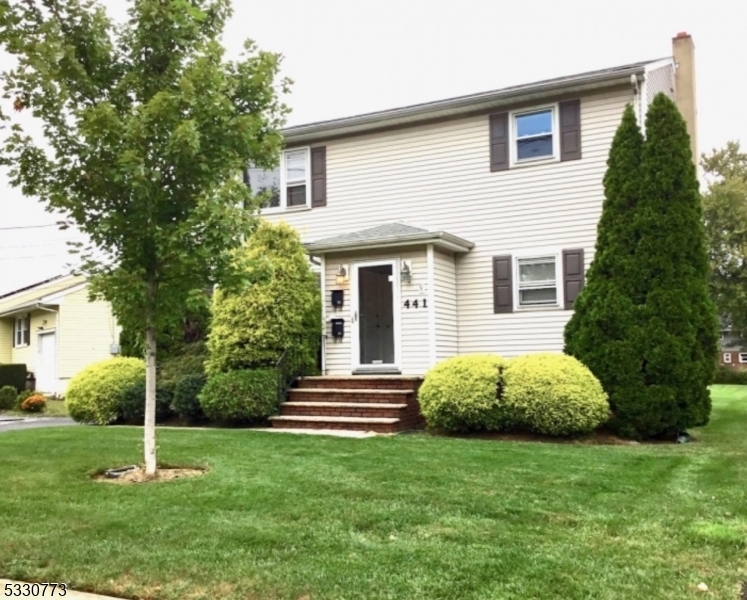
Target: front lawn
point(284, 516)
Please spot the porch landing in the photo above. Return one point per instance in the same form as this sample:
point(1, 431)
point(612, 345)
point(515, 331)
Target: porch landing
point(381, 404)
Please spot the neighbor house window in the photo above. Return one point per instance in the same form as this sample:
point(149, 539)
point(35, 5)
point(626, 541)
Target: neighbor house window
point(22, 331)
point(537, 282)
point(743, 357)
point(727, 357)
point(285, 187)
point(534, 135)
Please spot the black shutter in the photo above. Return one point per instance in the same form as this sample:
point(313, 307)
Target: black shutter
point(499, 142)
point(573, 275)
point(570, 130)
point(27, 331)
point(319, 176)
point(503, 294)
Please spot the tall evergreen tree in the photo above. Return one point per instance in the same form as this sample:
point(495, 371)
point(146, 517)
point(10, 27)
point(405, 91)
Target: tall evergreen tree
point(599, 332)
point(677, 332)
point(644, 324)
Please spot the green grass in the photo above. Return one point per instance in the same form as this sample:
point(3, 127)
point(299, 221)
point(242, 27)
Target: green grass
point(55, 408)
point(283, 516)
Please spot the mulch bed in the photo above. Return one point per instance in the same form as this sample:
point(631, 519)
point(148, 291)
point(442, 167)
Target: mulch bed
point(138, 475)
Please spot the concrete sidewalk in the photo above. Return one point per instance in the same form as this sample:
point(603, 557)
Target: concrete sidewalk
point(69, 594)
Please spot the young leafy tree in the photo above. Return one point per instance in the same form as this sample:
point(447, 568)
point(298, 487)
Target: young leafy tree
point(146, 126)
point(725, 211)
point(600, 331)
point(677, 330)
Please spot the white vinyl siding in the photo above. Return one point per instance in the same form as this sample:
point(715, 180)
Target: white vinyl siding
point(438, 176)
point(447, 338)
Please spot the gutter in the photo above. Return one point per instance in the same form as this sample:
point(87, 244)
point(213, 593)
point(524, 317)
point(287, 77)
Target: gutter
point(463, 105)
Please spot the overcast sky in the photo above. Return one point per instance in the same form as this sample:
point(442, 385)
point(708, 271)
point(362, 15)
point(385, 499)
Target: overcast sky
point(353, 56)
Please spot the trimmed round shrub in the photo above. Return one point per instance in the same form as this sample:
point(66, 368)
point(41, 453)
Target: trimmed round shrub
point(131, 408)
point(246, 395)
point(34, 404)
point(96, 393)
point(463, 394)
point(278, 310)
point(8, 397)
point(186, 402)
point(554, 394)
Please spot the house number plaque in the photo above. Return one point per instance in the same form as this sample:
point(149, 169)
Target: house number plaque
point(417, 303)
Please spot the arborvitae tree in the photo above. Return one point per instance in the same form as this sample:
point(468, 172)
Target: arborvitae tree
point(677, 329)
point(645, 324)
point(599, 332)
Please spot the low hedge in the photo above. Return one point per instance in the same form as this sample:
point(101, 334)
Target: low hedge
point(554, 394)
point(8, 397)
point(186, 402)
point(96, 393)
point(463, 393)
point(730, 375)
point(13, 375)
point(240, 396)
point(131, 407)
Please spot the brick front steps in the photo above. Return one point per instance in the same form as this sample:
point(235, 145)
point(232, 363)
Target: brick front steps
point(385, 404)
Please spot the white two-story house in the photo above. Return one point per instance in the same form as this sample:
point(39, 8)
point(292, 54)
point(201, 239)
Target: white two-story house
point(462, 225)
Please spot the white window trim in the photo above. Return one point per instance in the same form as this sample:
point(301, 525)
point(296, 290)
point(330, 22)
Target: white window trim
point(16, 321)
point(727, 358)
point(284, 184)
point(513, 151)
point(539, 253)
point(742, 358)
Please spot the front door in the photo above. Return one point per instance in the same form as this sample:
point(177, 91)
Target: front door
point(374, 319)
point(46, 365)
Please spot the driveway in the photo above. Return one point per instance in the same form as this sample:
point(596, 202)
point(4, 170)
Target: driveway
point(20, 423)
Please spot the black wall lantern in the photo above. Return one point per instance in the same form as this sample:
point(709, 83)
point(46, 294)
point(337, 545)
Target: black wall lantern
point(338, 298)
point(338, 328)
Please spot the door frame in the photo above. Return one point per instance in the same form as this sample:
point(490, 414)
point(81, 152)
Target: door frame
point(39, 336)
point(355, 361)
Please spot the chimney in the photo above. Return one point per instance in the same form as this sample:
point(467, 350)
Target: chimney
point(683, 51)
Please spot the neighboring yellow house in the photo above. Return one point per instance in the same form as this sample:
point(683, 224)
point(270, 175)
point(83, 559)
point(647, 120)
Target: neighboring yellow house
point(54, 330)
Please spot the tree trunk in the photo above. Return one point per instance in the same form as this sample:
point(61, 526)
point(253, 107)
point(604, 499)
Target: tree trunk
point(150, 399)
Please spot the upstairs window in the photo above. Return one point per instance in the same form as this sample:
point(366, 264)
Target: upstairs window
point(285, 187)
point(534, 135)
point(265, 182)
point(296, 171)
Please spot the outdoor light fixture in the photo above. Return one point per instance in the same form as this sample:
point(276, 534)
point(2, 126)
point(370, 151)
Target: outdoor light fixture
point(342, 275)
point(406, 272)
